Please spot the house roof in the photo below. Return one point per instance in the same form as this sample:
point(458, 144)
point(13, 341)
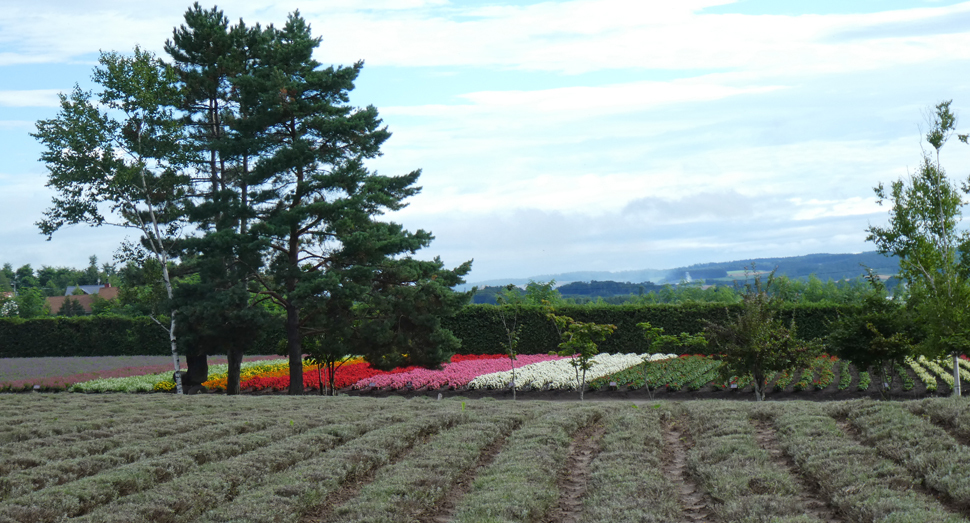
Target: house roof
point(87, 289)
point(85, 300)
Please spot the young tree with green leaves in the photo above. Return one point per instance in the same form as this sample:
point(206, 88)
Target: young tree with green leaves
point(756, 341)
point(934, 253)
point(579, 344)
point(880, 334)
point(509, 303)
point(119, 151)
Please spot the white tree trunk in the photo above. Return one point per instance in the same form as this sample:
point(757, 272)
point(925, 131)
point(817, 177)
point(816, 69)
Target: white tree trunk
point(956, 375)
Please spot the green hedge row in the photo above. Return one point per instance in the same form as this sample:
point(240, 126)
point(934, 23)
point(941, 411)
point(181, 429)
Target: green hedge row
point(91, 336)
point(479, 327)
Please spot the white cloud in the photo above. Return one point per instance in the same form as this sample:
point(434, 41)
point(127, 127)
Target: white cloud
point(30, 98)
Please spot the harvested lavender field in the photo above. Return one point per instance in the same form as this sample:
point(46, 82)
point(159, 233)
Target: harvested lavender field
point(310, 459)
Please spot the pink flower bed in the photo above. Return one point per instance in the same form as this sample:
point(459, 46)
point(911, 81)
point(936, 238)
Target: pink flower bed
point(453, 375)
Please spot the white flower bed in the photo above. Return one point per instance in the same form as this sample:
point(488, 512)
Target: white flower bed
point(145, 383)
point(560, 374)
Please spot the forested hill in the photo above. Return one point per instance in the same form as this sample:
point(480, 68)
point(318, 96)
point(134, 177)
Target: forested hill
point(824, 266)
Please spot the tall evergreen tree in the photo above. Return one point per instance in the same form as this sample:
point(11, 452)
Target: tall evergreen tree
point(208, 55)
point(317, 204)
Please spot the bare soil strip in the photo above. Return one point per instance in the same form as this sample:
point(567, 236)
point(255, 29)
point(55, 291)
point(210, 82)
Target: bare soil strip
point(695, 502)
point(352, 486)
point(445, 511)
point(941, 497)
point(810, 494)
point(575, 474)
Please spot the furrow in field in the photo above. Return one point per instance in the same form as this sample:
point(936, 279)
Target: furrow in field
point(161, 433)
point(520, 485)
point(307, 489)
point(216, 483)
point(627, 479)
point(413, 486)
point(816, 504)
point(916, 444)
point(444, 512)
point(694, 503)
point(950, 414)
point(861, 484)
point(739, 475)
point(574, 477)
point(80, 497)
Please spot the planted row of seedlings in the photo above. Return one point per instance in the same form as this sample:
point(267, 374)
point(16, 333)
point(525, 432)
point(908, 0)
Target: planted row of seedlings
point(626, 479)
point(926, 450)
point(219, 483)
point(855, 478)
point(357, 459)
point(740, 476)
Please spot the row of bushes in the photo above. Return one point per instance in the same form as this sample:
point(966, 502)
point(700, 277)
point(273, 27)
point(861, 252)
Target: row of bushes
point(481, 331)
point(479, 327)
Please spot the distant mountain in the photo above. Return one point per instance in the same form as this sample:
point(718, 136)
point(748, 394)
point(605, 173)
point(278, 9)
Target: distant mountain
point(825, 266)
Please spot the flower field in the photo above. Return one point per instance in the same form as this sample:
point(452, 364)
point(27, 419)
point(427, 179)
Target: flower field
point(216, 459)
point(694, 375)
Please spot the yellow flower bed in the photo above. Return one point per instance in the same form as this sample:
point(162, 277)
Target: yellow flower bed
point(219, 374)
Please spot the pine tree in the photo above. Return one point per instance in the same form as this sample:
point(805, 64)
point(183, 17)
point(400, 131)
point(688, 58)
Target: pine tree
point(221, 316)
point(332, 262)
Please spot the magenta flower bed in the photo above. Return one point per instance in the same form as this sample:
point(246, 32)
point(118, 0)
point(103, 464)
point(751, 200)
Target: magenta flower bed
point(453, 375)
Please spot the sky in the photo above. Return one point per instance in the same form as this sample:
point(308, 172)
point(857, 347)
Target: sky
point(558, 136)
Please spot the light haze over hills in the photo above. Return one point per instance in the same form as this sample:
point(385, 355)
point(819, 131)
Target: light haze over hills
point(824, 266)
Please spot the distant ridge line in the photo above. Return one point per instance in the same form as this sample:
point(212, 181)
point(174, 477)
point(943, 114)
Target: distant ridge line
point(824, 265)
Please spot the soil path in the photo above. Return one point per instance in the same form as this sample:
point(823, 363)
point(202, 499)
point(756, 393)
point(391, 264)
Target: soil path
point(809, 495)
point(696, 504)
point(445, 510)
point(575, 474)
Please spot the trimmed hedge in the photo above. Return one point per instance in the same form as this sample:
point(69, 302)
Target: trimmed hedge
point(479, 327)
point(91, 336)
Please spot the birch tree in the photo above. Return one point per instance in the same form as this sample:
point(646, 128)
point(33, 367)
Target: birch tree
point(114, 159)
point(924, 233)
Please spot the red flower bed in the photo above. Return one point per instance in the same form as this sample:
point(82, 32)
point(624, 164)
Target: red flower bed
point(346, 375)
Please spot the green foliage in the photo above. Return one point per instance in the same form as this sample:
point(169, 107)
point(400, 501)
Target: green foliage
point(98, 336)
point(481, 331)
point(933, 252)
point(660, 343)
point(31, 303)
point(756, 341)
point(71, 307)
point(579, 343)
point(880, 334)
